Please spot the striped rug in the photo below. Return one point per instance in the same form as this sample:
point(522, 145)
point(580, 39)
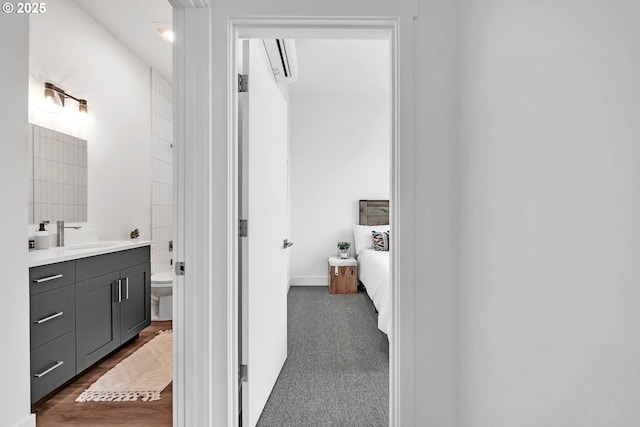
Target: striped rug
point(143, 375)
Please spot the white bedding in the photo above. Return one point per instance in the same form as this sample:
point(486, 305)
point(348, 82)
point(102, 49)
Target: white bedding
point(373, 269)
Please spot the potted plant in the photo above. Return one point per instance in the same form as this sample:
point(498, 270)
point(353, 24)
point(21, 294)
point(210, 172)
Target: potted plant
point(343, 249)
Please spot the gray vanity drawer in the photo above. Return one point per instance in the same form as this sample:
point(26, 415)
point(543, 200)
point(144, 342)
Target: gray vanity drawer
point(99, 265)
point(52, 276)
point(52, 314)
point(45, 361)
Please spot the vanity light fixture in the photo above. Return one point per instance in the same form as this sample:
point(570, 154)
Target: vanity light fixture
point(56, 96)
point(82, 106)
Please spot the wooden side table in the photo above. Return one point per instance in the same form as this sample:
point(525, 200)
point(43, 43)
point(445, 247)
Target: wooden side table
point(343, 275)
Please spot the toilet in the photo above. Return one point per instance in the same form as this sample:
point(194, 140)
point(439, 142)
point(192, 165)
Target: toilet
point(162, 295)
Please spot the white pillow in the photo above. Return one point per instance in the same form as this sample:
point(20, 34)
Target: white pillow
point(363, 238)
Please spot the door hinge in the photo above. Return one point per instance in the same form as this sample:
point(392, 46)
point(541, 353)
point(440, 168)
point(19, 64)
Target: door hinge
point(243, 228)
point(244, 373)
point(179, 268)
point(243, 83)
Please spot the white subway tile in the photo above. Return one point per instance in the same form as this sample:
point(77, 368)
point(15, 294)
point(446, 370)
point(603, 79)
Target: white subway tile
point(54, 150)
point(49, 190)
point(36, 146)
point(67, 174)
point(36, 189)
point(36, 213)
point(60, 150)
point(36, 169)
point(67, 196)
point(50, 165)
point(49, 149)
point(43, 192)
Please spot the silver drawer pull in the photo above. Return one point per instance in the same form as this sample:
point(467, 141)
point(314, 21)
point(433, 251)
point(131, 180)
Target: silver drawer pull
point(46, 279)
point(42, 374)
point(126, 281)
point(46, 319)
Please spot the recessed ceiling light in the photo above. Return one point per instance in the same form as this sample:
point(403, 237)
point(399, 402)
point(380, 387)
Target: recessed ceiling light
point(166, 34)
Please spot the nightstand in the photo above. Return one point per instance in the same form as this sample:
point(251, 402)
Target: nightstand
point(343, 275)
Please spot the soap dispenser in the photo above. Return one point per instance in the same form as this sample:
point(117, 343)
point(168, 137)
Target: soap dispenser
point(42, 237)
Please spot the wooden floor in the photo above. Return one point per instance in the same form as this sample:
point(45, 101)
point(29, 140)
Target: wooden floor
point(62, 410)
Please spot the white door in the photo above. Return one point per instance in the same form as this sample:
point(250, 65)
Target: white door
point(263, 176)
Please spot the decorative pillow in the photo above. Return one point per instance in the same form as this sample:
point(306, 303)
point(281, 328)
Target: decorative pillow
point(380, 240)
point(363, 238)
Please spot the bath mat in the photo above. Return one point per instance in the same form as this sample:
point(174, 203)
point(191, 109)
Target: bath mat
point(143, 375)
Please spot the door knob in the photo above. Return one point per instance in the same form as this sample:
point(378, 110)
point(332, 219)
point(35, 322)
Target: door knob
point(286, 244)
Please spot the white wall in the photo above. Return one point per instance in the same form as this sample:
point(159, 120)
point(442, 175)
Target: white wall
point(550, 107)
point(340, 153)
point(14, 308)
point(72, 51)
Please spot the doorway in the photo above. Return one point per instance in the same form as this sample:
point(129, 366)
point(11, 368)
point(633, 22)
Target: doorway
point(386, 31)
point(206, 166)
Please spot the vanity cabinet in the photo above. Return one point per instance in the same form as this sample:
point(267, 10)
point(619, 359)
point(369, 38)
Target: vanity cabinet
point(82, 310)
point(113, 299)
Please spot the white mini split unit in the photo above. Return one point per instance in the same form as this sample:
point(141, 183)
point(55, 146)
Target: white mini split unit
point(282, 57)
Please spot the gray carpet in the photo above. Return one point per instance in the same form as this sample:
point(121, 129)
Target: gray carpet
point(337, 370)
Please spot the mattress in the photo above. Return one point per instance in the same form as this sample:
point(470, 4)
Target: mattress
point(375, 275)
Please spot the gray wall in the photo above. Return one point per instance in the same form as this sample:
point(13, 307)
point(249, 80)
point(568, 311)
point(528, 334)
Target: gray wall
point(435, 163)
point(550, 132)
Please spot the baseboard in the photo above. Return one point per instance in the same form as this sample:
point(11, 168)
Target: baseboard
point(30, 421)
point(309, 281)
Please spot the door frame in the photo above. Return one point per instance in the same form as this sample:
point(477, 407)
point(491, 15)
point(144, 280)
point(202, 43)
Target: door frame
point(334, 28)
point(205, 302)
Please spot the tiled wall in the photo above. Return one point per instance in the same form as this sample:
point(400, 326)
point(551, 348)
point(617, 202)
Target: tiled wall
point(161, 172)
point(57, 176)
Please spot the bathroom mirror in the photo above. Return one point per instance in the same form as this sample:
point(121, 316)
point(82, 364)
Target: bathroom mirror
point(57, 176)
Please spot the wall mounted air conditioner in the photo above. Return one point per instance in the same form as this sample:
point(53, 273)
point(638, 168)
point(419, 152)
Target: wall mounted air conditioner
point(282, 57)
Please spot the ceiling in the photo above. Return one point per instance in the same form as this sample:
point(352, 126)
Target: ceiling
point(325, 66)
point(134, 23)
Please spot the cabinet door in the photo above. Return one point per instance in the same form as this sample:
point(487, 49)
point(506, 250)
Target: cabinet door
point(98, 319)
point(136, 300)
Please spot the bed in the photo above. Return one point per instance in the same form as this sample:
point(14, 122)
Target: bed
point(373, 265)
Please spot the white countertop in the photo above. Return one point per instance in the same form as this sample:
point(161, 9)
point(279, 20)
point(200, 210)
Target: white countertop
point(82, 250)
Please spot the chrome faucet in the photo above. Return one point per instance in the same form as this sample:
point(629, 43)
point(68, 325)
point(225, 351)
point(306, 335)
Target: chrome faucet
point(60, 237)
